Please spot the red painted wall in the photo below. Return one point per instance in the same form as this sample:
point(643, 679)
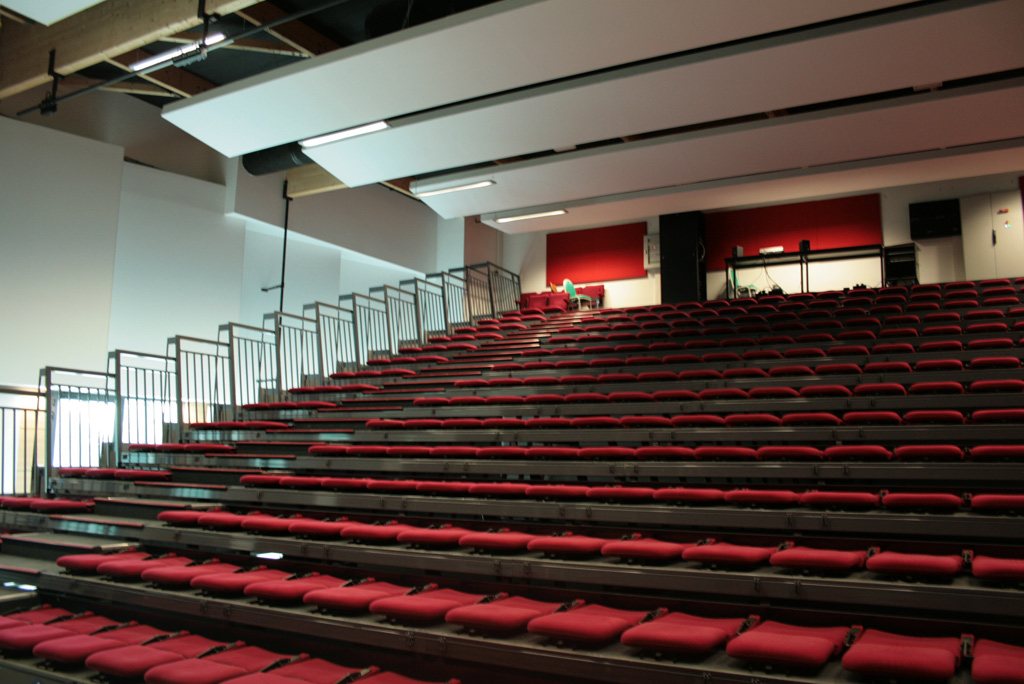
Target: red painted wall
point(597, 255)
point(844, 222)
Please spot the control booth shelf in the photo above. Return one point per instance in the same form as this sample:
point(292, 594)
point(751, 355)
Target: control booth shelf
point(803, 259)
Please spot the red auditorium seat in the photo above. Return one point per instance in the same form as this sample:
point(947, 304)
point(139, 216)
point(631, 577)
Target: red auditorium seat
point(689, 495)
point(682, 633)
point(504, 615)
point(24, 637)
point(722, 393)
point(928, 452)
point(499, 488)
point(812, 391)
point(427, 606)
point(314, 671)
point(998, 569)
point(931, 565)
point(34, 616)
point(374, 532)
point(177, 576)
point(990, 386)
point(292, 589)
point(943, 387)
point(994, 363)
point(988, 416)
point(675, 395)
point(997, 502)
point(904, 657)
point(773, 393)
point(917, 500)
point(858, 452)
point(811, 418)
point(934, 417)
point(841, 499)
point(777, 643)
point(236, 582)
point(133, 569)
point(235, 661)
point(568, 544)
point(644, 548)
point(997, 663)
point(939, 365)
point(872, 418)
point(619, 493)
point(74, 649)
point(769, 497)
point(503, 540)
point(86, 563)
point(587, 624)
point(307, 527)
point(353, 598)
point(728, 554)
point(134, 660)
point(807, 558)
point(704, 453)
point(997, 452)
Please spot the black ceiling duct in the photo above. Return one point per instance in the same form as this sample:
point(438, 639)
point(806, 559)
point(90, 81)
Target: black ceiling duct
point(280, 158)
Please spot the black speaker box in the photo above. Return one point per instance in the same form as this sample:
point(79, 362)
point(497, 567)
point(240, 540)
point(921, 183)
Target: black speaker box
point(683, 258)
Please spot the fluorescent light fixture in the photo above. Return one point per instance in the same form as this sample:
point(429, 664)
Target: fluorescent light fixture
point(270, 555)
point(27, 587)
point(524, 217)
point(347, 133)
point(171, 55)
point(455, 188)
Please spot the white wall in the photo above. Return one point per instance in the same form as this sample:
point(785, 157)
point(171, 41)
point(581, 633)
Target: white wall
point(451, 244)
point(178, 266)
point(59, 197)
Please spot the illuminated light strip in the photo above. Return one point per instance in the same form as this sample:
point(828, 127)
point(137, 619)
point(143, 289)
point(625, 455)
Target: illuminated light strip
point(455, 188)
point(347, 133)
point(174, 54)
point(523, 217)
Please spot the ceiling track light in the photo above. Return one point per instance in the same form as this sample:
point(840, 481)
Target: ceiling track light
point(192, 49)
point(524, 217)
point(342, 135)
point(454, 188)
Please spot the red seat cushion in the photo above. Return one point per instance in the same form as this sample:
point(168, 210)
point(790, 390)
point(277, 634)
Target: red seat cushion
point(590, 624)
point(176, 576)
point(773, 393)
point(899, 656)
point(504, 615)
point(705, 453)
point(698, 420)
point(682, 633)
point(872, 418)
point(997, 663)
point(691, 495)
point(644, 548)
point(498, 541)
point(368, 532)
point(1005, 385)
point(776, 643)
point(317, 528)
point(935, 417)
point(840, 499)
point(353, 598)
point(729, 554)
point(291, 589)
point(558, 491)
point(446, 535)
point(878, 389)
point(992, 568)
point(214, 668)
point(88, 562)
point(997, 502)
point(825, 391)
point(931, 452)
point(236, 582)
point(897, 563)
point(819, 418)
point(425, 607)
point(786, 453)
point(986, 416)
point(931, 500)
point(134, 660)
point(997, 452)
point(773, 497)
point(818, 559)
point(752, 420)
point(568, 545)
point(131, 569)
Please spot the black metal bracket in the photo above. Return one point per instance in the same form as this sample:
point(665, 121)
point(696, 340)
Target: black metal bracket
point(48, 107)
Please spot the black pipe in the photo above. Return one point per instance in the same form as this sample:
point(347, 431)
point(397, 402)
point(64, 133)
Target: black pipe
point(284, 249)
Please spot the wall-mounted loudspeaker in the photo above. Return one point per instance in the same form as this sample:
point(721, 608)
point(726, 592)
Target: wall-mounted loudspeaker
point(805, 246)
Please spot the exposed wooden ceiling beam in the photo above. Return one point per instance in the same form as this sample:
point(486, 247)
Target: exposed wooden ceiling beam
point(401, 185)
point(178, 81)
point(100, 32)
point(299, 35)
point(311, 179)
point(270, 47)
point(76, 82)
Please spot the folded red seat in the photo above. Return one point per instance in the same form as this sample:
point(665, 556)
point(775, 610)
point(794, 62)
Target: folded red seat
point(261, 480)
point(769, 497)
point(997, 502)
point(310, 527)
point(453, 452)
point(408, 451)
point(773, 393)
point(788, 453)
point(516, 489)
point(872, 418)
point(292, 589)
point(812, 391)
point(182, 575)
point(503, 615)
point(985, 416)
point(133, 661)
point(587, 623)
point(549, 422)
point(133, 568)
point(552, 452)
point(811, 418)
point(595, 422)
point(351, 598)
point(25, 637)
point(840, 499)
point(75, 648)
point(222, 520)
point(725, 553)
point(807, 558)
point(620, 493)
point(753, 420)
point(388, 678)
point(141, 474)
point(946, 387)
point(665, 452)
point(879, 389)
point(86, 563)
point(384, 424)
point(344, 483)
point(236, 582)
point(777, 643)
point(374, 485)
point(568, 544)
point(904, 657)
point(644, 548)
point(997, 452)
point(934, 417)
point(994, 363)
point(514, 452)
point(939, 364)
point(682, 633)
point(848, 350)
point(732, 453)
point(387, 531)
point(427, 606)
point(689, 495)
point(922, 500)
point(558, 491)
point(60, 505)
point(444, 487)
point(606, 452)
point(373, 450)
point(235, 661)
point(790, 371)
point(897, 563)
point(1000, 569)
point(675, 395)
point(997, 663)
point(503, 540)
point(299, 482)
point(1005, 385)
point(422, 424)
point(929, 452)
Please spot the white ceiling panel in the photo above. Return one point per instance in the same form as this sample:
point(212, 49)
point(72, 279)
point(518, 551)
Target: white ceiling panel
point(49, 11)
point(820, 182)
point(929, 121)
point(492, 49)
point(876, 55)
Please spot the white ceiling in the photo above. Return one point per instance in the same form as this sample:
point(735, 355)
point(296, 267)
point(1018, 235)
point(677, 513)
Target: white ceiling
point(522, 77)
point(49, 11)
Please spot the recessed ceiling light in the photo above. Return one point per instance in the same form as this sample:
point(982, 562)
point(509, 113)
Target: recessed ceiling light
point(524, 217)
point(347, 133)
point(454, 188)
